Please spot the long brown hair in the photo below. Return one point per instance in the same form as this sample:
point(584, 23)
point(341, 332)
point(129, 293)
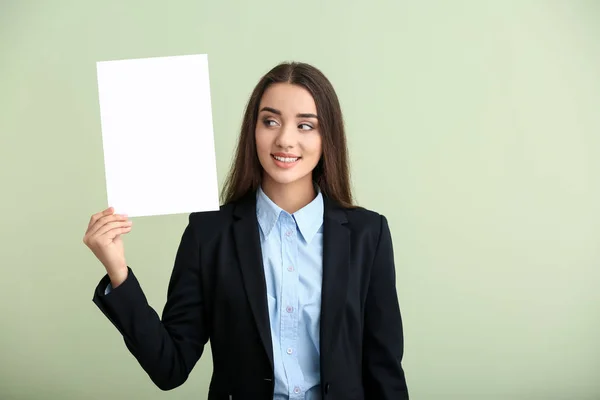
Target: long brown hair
point(331, 174)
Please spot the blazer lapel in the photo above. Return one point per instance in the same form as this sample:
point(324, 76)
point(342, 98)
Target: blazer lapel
point(247, 242)
point(336, 259)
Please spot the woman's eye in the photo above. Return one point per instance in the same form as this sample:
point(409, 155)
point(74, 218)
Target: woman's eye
point(269, 122)
point(305, 127)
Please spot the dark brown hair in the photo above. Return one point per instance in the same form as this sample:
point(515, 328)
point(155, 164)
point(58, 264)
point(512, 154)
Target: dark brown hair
point(332, 171)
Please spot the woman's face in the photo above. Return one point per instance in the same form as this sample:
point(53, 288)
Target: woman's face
point(288, 140)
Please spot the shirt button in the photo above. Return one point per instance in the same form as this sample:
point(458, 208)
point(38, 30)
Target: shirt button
point(296, 390)
point(291, 268)
point(289, 309)
point(288, 233)
point(289, 350)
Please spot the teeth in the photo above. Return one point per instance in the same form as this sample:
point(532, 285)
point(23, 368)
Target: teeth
point(286, 159)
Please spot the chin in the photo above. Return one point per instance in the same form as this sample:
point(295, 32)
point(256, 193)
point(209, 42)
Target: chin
point(283, 180)
point(286, 178)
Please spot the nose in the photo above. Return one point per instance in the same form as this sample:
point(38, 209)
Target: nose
point(286, 138)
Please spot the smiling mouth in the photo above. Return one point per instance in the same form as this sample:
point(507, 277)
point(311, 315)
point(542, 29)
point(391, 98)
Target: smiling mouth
point(285, 159)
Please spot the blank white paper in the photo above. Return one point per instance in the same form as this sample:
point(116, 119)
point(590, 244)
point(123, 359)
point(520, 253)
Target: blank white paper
point(157, 135)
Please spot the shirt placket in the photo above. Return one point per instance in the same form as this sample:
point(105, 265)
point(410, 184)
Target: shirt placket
point(289, 307)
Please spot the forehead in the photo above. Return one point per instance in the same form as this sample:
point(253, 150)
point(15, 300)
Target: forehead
point(288, 98)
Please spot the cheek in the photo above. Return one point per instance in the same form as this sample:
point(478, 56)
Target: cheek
point(313, 145)
point(260, 141)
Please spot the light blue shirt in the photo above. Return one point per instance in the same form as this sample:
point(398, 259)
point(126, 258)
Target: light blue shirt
point(292, 248)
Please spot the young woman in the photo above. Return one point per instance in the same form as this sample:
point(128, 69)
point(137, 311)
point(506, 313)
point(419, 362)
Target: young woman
point(292, 283)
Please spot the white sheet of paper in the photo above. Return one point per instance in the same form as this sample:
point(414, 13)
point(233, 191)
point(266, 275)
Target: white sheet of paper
point(157, 135)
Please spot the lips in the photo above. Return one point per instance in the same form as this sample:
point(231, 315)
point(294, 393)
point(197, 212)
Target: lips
point(285, 160)
point(285, 155)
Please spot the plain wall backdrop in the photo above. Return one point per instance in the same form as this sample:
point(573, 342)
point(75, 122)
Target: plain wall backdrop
point(473, 126)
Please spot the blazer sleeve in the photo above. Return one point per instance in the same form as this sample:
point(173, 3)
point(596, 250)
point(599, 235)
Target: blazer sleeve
point(166, 349)
point(383, 342)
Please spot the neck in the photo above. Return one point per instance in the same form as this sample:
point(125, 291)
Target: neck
point(291, 197)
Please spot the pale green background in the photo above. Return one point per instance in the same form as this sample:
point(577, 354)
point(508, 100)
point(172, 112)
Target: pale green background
point(473, 126)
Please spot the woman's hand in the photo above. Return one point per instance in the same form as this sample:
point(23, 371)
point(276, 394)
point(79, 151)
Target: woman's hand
point(103, 237)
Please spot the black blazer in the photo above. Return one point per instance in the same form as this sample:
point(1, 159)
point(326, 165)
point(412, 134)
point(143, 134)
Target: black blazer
point(217, 291)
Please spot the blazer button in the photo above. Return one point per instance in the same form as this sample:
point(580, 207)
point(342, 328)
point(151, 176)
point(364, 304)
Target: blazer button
point(327, 386)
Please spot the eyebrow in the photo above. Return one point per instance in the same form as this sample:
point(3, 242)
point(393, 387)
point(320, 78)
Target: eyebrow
point(302, 115)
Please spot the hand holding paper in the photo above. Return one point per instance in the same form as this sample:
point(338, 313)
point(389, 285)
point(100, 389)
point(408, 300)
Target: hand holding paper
point(103, 237)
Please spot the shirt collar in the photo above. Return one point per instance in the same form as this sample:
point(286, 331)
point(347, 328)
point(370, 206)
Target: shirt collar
point(267, 212)
point(308, 219)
